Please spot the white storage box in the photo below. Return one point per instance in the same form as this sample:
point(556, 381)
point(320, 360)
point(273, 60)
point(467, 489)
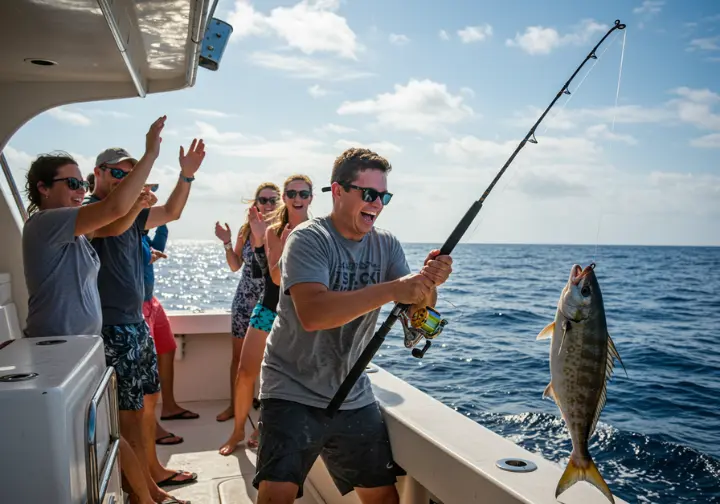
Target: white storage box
point(47, 386)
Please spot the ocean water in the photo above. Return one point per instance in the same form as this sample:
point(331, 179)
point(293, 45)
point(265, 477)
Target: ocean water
point(658, 439)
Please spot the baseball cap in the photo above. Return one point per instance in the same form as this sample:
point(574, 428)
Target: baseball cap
point(114, 155)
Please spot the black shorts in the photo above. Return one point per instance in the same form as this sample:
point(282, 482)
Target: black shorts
point(354, 446)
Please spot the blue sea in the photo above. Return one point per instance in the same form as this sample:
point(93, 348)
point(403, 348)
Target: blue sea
point(658, 439)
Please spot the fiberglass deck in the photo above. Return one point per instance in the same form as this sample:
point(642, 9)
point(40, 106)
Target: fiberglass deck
point(221, 479)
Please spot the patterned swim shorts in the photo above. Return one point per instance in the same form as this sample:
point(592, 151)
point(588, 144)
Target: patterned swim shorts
point(262, 318)
point(131, 351)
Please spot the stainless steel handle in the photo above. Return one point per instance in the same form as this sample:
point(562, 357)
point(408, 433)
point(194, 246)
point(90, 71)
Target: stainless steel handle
point(97, 485)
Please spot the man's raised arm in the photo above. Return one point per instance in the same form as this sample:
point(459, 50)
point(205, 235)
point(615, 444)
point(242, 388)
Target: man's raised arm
point(173, 207)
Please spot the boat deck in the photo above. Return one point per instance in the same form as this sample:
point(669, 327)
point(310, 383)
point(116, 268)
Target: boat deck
point(221, 479)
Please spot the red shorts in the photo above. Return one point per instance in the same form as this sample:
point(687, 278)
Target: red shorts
point(159, 324)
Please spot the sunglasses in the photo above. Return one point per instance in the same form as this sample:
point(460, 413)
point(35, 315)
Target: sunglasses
point(74, 184)
point(368, 193)
point(264, 201)
point(304, 194)
point(153, 187)
point(116, 173)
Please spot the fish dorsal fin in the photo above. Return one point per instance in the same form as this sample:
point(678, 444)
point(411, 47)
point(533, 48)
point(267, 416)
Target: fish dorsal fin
point(612, 354)
point(547, 331)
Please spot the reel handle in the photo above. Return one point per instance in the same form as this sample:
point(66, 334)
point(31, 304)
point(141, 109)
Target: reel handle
point(416, 352)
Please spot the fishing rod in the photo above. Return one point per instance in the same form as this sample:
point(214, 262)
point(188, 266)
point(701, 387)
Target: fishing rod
point(427, 323)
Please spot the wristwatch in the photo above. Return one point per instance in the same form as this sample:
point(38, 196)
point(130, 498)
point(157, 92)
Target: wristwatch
point(228, 245)
point(187, 179)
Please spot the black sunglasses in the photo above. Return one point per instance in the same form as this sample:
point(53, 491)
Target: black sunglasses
point(115, 172)
point(264, 201)
point(153, 187)
point(304, 194)
point(368, 193)
point(74, 184)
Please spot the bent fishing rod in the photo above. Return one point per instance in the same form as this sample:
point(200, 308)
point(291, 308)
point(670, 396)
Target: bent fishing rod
point(427, 323)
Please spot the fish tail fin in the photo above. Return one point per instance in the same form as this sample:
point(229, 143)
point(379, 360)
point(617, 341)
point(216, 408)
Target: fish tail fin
point(583, 470)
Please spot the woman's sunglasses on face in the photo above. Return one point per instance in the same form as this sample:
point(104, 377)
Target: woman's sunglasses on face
point(264, 201)
point(74, 184)
point(304, 194)
point(368, 193)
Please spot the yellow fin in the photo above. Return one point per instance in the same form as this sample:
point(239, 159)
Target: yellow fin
point(547, 331)
point(574, 473)
point(550, 392)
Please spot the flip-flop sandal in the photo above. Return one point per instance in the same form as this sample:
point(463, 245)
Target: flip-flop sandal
point(175, 500)
point(159, 441)
point(183, 415)
point(171, 481)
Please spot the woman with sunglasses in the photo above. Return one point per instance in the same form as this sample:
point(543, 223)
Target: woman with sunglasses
point(297, 196)
point(251, 284)
point(61, 267)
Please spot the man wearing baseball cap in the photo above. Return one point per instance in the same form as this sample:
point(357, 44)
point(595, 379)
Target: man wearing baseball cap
point(128, 345)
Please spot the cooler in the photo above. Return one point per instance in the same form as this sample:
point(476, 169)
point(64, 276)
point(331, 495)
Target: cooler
point(58, 422)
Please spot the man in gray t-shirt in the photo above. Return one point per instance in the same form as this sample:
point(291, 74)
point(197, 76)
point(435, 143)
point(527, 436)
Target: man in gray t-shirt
point(337, 272)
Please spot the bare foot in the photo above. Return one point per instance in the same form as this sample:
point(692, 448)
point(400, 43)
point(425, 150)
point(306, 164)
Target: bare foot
point(161, 496)
point(254, 442)
point(226, 415)
point(235, 439)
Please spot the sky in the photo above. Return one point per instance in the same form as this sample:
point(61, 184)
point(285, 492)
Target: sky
point(445, 91)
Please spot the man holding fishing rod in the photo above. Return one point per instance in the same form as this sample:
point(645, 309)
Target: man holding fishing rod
point(337, 272)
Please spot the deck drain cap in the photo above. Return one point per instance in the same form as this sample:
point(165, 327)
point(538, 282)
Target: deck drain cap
point(516, 465)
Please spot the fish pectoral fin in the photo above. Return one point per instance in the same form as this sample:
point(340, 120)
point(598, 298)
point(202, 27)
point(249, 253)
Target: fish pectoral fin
point(547, 331)
point(612, 351)
point(550, 392)
point(584, 471)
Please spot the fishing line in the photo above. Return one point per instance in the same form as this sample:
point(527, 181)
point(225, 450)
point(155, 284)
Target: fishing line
point(617, 93)
point(508, 183)
point(426, 322)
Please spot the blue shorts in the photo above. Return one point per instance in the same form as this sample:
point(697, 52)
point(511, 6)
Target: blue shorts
point(262, 318)
point(131, 351)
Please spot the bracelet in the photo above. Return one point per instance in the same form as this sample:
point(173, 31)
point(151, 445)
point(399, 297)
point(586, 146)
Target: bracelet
point(228, 245)
point(186, 179)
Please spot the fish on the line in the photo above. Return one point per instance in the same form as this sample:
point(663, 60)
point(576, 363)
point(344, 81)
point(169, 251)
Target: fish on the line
point(582, 356)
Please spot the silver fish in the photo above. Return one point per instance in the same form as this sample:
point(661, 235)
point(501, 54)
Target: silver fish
point(582, 358)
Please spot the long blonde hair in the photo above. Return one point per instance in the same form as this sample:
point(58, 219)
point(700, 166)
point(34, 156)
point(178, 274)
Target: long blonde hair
point(281, 215)
point(245, 228)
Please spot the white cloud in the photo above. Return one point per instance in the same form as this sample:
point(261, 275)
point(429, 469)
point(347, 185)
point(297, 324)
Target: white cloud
point(541, 40)
point(602, 131)
point(705, 44)
point(398, 39)
point(68, 116)
point(422, 106)
point(316, 91)
point(443, 35)
point(475, 33)
point(334, 128)
point(306, 68)
point(711, 141)
point(209, 113)
point(211, 134)
point(108, 113)
point(382, 148)
point(649, 7)
point(310, 26)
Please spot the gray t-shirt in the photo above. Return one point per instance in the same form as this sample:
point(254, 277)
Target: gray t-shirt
point(308, 367)
point(61, 273)
point(121, 282)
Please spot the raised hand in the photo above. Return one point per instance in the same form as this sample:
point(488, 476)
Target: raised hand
point(257, 226)
point(153, 139)
point(223, 232)
point(155, 255)
point(190, 162)
point(146, 199)
point(286, 232)
point(437, 267)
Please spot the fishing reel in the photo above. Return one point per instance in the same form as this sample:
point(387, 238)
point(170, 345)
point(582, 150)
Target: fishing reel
point(425, 323)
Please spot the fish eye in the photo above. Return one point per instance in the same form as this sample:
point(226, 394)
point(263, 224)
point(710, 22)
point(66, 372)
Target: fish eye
point(585, 291)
